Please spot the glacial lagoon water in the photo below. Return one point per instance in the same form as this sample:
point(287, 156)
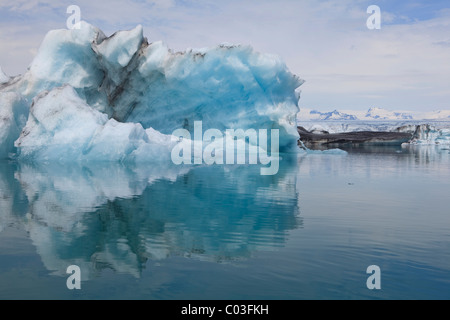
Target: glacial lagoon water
point(310, 232)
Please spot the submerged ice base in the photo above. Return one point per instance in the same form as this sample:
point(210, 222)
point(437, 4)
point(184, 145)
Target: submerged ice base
point(91, 97)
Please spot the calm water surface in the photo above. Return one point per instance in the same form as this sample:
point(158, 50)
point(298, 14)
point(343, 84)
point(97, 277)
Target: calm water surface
point(310, 232)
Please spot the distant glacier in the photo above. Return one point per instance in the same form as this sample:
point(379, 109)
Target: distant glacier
point(432, 128)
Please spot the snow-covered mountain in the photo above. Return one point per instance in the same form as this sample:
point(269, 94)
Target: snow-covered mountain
point(382, 114)
point(373, 114)
point(333, 115)
point(436, 115)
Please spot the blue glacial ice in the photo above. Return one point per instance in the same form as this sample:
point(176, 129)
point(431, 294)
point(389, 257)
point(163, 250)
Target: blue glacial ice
point(87, 96)
point(428, 134)
point(13, 116)
point(62, 126)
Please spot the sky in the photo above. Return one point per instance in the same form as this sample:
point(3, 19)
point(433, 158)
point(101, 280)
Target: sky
point(404, 66)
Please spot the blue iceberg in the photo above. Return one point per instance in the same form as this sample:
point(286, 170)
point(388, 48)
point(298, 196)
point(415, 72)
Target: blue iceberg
point(87, 96)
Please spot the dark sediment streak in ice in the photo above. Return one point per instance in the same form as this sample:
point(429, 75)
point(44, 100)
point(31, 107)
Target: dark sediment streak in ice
point(354, 138)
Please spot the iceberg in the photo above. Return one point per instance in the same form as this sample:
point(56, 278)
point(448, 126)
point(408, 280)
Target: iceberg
point(426, 134)
point(415, 132)
point(13, 116)
point(62, 127)
point(90, 97)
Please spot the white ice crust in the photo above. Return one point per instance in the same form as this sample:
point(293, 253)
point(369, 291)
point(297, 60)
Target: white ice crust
point(3, 77)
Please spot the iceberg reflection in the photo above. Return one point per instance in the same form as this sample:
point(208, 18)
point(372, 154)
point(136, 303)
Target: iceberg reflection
point(118, 217)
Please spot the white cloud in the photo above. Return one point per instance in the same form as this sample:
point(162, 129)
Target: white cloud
point(404, 65)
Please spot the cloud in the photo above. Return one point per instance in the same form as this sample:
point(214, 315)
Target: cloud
point(445, 43)
point(326, 42)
